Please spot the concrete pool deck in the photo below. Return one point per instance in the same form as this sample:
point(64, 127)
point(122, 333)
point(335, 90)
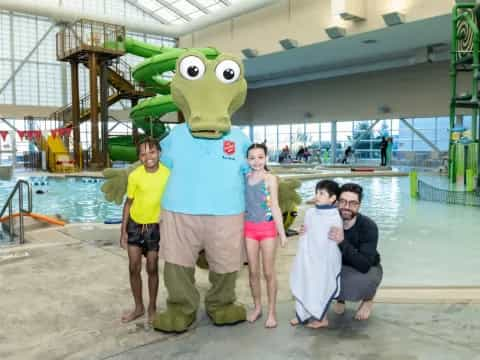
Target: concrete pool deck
point(63, 293)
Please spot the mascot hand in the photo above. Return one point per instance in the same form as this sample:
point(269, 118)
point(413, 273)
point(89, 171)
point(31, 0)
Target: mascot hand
point(115, 185)
point(288, 199)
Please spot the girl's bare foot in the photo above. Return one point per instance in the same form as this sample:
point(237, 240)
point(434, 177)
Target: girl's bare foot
point(294, 322)
point(271, 322)
point(132, 315)
point(254, 315)
point(317, 324)
point(339, 308)
point(364, 310)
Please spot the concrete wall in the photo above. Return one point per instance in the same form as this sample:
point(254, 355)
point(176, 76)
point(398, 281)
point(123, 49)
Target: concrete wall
point(422, 90)
point(305, 21)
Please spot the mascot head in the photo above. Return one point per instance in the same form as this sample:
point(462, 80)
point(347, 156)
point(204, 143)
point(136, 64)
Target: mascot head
point(208, 92)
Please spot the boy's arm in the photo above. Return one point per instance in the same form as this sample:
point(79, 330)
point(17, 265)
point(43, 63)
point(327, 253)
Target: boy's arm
point(123, 229)
point(131, 187)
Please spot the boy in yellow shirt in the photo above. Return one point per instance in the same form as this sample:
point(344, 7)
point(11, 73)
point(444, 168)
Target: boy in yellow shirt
point(140, 224)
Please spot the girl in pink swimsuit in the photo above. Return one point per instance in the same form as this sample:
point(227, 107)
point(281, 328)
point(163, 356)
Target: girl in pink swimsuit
point(263, 221)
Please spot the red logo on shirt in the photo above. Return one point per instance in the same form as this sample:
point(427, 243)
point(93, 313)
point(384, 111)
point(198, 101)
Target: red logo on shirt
point(228, 147)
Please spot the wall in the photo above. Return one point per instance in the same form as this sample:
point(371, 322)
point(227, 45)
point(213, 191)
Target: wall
point(303, 20)
point(415, 91)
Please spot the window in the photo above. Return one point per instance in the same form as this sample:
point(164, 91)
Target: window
point(271, 137)
point(258, 134)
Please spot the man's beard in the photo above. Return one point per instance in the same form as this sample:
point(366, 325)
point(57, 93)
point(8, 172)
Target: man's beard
point(347, 214)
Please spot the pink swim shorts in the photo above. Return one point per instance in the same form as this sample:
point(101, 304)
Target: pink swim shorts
point(260, 231)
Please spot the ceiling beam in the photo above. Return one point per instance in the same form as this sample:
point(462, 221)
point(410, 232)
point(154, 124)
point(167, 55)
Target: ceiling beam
point(174, 10)
point(199, 6)
point(61, 14)
point(147, 11)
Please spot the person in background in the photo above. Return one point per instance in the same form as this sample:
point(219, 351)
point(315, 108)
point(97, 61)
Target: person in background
point(300, 153)
point(306, 154)
point(284, 155)
point(383, 151)
point(348, 154)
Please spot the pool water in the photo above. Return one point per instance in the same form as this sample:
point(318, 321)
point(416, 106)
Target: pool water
point(76, 199)
point(420, 242)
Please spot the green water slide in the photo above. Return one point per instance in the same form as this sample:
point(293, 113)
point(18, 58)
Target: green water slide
point(153, 75)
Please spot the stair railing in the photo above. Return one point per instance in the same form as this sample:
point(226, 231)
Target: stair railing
point(9, 205)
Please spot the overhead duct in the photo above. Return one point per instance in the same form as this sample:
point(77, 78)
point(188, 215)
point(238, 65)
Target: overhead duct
point(61, 14)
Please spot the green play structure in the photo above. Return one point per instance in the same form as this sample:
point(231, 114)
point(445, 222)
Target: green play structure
point(465, 57)
point(152, 75)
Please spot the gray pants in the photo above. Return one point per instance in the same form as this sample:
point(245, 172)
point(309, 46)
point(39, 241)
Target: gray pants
point(357, 286)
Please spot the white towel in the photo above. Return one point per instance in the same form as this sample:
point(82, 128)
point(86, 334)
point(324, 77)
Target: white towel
point(315, 276)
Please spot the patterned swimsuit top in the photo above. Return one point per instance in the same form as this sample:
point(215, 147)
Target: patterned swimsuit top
point(258, 201)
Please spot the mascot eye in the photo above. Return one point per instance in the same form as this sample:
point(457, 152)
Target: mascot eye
point(227, 71)
point(192, 68)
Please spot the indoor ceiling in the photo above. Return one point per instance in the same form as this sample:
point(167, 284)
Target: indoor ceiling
point(408, 44)
point(180, 11)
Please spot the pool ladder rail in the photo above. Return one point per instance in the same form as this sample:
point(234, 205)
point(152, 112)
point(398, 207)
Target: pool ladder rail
point(21, 210)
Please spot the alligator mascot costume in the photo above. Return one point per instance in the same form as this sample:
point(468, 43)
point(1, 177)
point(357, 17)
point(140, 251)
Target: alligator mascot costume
point(203, 204)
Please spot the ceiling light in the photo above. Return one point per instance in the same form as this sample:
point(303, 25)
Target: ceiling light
point(250, 53)
point(394, 18)
point(288, 44)
point(335, 32)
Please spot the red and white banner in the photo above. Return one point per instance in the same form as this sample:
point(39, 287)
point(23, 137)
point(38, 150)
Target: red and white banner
point(33, 134)
point(3, 134)
point(61, 132)
point(21, 134)
point(68, 131)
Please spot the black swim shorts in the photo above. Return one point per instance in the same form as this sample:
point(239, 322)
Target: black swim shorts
point(145, 236)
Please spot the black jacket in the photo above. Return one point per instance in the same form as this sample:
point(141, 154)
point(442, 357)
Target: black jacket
point(359, 248)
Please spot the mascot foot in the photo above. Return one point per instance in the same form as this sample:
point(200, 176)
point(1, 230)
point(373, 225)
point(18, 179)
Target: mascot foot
point(228, 315)
point(173, 321)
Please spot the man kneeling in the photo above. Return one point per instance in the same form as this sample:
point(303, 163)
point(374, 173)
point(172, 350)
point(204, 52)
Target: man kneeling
point(361, 270)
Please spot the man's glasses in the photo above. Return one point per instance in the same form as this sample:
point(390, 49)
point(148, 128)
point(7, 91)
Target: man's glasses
point(350, 204)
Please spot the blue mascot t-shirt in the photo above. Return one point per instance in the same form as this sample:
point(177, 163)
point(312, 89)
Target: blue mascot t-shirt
point(207, 176)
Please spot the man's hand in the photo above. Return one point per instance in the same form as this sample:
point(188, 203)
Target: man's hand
point(124, 240)
point(336, 234)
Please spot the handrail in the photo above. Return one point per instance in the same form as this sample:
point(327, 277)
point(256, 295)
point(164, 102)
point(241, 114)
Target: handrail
point(8, 204)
